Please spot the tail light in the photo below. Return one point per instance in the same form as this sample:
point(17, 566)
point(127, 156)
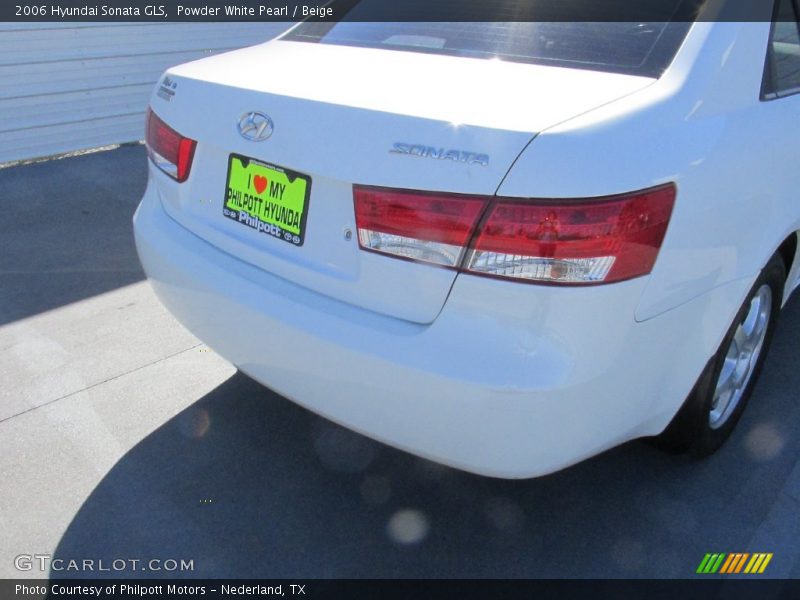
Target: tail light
point(433, 228)
point(573, 241)
point(169, 150)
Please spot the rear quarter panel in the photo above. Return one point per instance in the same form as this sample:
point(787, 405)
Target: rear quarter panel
point(703, 126)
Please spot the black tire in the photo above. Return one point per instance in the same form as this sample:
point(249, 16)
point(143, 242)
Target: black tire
point(691, 430)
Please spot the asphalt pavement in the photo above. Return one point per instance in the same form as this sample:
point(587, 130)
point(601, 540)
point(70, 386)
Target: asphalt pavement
point(124, 437)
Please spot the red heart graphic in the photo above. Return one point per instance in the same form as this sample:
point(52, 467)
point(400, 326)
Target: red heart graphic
point(260, 183)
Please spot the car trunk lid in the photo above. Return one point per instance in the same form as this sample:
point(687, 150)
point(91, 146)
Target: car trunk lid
point(342, 116)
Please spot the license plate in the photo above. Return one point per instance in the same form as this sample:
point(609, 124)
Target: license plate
point(267, 198)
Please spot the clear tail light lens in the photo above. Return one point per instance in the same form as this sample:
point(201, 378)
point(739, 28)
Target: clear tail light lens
point(580, 241)
point(170, 151)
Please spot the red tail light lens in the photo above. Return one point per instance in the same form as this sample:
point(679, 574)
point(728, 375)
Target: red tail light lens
point(432, 228)
point(170, 151)
point(581, 241)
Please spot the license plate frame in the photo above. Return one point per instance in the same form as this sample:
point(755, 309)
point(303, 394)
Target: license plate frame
point(261, 202)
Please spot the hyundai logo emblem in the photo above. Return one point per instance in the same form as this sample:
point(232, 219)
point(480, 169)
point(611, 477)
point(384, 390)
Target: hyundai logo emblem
point(255, 126)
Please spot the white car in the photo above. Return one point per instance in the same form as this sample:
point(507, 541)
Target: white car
point(505, 247)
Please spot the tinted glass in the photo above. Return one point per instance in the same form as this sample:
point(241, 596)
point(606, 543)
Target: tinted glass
point(783, 63)
point(642, 48)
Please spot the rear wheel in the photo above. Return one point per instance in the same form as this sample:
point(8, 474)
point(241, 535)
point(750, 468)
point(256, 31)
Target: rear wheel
point(719, 397)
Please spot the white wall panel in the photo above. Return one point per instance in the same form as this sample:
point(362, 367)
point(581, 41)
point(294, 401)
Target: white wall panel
point(70, 86)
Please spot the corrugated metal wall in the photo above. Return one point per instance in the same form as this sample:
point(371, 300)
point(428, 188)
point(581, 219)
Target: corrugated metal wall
point(66, 87)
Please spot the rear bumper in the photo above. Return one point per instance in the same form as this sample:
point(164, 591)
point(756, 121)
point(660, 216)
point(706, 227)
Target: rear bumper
point(510, 380)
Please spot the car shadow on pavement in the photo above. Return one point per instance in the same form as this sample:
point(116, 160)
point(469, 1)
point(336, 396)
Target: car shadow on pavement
point(246, 484)
point(66, 231)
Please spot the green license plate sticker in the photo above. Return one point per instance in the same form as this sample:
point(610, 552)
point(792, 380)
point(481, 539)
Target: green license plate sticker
point(270, 199)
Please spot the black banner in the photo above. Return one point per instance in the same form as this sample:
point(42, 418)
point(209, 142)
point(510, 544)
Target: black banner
point(385, 10)
point(405, 589)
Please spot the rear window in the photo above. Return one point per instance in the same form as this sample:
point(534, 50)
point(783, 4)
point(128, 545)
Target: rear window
point(640, 48)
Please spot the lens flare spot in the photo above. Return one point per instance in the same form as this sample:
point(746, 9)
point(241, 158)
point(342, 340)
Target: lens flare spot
point(504, 514)
point(194, 422)
point(764, 442)
point(375, 489)
point(342, 450)
point(407, 527)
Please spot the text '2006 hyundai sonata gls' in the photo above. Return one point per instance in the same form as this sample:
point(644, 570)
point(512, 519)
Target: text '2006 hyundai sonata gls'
point(505, 247)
